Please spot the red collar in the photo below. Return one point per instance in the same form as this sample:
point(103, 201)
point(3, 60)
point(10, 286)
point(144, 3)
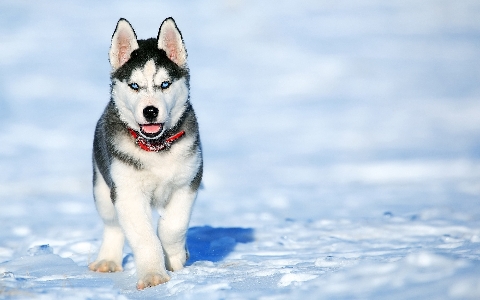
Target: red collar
point(155, 145)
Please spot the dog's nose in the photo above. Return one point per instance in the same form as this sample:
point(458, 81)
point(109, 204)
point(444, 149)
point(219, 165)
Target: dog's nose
point(150, 113)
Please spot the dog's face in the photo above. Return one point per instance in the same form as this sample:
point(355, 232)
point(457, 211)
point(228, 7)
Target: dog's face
point(149, 78)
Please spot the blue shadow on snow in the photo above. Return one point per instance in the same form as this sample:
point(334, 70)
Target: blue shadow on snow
point(214, 244)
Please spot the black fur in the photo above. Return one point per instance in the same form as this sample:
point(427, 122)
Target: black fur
point(195, 184)
point(148, 50)
point(180, 163)
point(111, 126)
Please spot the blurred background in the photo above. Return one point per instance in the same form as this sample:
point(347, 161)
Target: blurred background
point(307, 110)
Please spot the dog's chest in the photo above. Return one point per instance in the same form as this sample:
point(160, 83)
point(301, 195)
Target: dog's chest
point(161, 172)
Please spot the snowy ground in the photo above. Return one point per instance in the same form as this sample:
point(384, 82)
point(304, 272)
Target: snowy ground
point(341, 142)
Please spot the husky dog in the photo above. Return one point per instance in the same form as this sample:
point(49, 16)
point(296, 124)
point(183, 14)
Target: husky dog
point(146, 154)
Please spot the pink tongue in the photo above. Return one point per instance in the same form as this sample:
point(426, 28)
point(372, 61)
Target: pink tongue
point(151, 128)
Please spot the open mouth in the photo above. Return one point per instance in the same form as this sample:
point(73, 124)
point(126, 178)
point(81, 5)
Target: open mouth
point(152, 130)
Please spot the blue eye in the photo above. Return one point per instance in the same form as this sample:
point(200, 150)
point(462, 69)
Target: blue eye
point(134, 86)
point(165, 85)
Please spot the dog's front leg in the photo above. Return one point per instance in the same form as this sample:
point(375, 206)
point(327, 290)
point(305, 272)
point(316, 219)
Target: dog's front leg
point(110, 255)
point(134, 215)
point(173, 226)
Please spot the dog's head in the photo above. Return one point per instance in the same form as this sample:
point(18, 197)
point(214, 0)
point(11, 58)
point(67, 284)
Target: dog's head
point(150, 78)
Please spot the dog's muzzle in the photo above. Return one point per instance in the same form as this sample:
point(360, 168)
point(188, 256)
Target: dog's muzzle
point(151, 129)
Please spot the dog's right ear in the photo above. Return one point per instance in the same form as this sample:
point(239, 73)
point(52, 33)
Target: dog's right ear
point(124, 42)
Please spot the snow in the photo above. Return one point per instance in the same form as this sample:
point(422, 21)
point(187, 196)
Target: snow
point(341, 147)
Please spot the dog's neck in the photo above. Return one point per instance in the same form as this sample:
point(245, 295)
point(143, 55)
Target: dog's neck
point(155, 145)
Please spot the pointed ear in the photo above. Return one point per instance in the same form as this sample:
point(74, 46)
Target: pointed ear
point(170, 40)
point(124, 41)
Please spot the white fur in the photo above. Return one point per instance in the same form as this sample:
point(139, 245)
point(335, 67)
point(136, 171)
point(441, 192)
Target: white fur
point(113, 237)
point(170, 187)
point(170, 102)
point(163, 183)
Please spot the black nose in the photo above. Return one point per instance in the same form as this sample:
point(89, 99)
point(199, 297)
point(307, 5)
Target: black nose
point(150, 113)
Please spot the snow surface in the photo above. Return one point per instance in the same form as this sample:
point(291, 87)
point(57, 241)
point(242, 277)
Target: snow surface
point(341, 142)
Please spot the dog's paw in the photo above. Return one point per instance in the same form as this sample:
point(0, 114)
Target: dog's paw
point(176, 262)
point(152, 279)
point(105, 266)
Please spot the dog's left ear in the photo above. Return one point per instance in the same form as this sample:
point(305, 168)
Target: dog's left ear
point(170, 40)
